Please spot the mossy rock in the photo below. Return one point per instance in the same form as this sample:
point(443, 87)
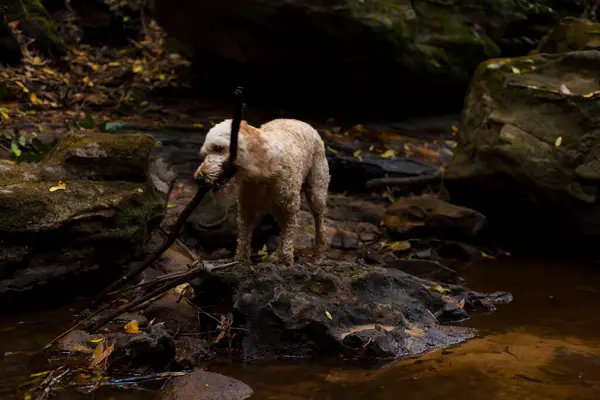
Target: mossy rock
point(90, 205)
point(103, 155)
point(571, 34)
point(348, 52)
point(36, 23)
point(529, 146)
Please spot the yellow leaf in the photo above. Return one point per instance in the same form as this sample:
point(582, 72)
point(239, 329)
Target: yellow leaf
point(161, 76)
point(37, 60)
point(98, 350)
point(61, 186)
point(198, 126)
point(139, 190)
point(263, 252)
point(49, 71)
point(389, 196)
point(132, 327)
point(97, 340)
point(328, 315)
point(20, 84)
point(454, 129)
point(438, 289)
point(328, 132)
point(94, 67)
point(356, 153)
point(114, 64)
point(309, 228)
point(171, 205)
point(33, 98)
point(85, 79)
point(4, 114)
point(39, 374)
point(331, 150)
point(515, 70)
point(137, 68)
point(27, 396)
point(485, 255)
point(558, 141)
point(388, 154)
point(371, 148)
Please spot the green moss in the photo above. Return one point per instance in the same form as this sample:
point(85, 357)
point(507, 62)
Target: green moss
point(571, 34)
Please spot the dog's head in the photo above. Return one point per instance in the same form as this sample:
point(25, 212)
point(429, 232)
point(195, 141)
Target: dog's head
point(215, 152)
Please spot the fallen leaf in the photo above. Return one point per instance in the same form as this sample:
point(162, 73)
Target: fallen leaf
point(98, 350)
point(388, 154)
point(371, 148)
point(198, 125)
point(33, 98)
point(356, 153)
point(171, 205)
point(103, 356)
point(61, 186)
point(399, 246)
point(14, 148)
point(558, 141)
point(515, 70)
point(137, 69)
point(328, 315)
point(454, 129)
point(263, 252)
point(438, 289)
point(309, 228)
point(39, 374)
point(332, 150)
point(132, 327)
point(97, 340)
point(139, 190)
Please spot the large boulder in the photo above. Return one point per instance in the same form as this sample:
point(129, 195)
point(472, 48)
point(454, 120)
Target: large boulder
point(528, 153)
point(351, 51)
point(89, 205)
point(339, 307)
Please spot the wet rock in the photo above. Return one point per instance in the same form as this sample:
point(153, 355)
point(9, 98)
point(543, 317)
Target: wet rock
point(99, 221)
point(176, 316)
point(347, 209)
point(309, 309)
point(344, 240)
point(528, 146)
point(189, 351)
point(77, 341)
point(205, 385)
point(367, 232)
point(153, 348)
point(432, 216)
point(431, 270)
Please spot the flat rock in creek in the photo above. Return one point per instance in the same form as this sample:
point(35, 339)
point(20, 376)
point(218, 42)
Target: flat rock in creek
point(205, 385)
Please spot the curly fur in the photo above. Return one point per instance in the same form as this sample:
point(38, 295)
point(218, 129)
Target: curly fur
point(276, 163)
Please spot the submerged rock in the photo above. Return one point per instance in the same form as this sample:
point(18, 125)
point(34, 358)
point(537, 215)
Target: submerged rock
point(338, 307)
point(529, 147)
point(89, 205)
point(205, 385)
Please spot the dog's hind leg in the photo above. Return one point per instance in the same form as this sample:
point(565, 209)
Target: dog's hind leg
point(315, 189)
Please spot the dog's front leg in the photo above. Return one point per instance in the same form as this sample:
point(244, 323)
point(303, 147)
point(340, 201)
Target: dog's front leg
point(245, 226)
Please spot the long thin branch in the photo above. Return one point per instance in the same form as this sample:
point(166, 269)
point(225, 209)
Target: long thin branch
point(377, 182)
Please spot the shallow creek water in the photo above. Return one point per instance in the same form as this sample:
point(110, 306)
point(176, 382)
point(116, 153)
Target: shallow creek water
point(545, 345)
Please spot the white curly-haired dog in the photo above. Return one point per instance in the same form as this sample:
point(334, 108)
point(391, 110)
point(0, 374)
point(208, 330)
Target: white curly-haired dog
point(275, 164)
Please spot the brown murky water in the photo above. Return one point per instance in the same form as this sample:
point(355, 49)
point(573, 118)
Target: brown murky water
point(545, 345)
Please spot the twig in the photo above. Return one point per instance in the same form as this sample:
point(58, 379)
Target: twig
point(52, 382)
point(189, 252)
point(160, 279)
point(188, 276)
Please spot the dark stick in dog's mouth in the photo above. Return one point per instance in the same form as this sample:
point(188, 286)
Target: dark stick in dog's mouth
point(230, 169)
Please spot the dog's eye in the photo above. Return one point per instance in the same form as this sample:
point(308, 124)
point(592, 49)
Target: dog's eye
point(218, 148)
